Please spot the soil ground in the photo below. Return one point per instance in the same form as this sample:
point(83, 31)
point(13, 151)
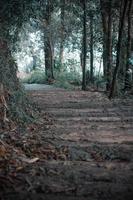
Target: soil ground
point(83, 150)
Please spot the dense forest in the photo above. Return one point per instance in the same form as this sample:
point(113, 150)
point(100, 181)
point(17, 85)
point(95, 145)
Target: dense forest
point(66, 86)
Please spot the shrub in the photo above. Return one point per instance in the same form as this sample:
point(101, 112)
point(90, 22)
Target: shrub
point(67, 80)
point(36, 77)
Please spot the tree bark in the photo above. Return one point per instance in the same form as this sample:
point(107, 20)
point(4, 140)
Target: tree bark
point(84, 47)
point(62, 37)
point(8, 67)
point(34, 57)
point(104, 14)
point(91, 50)
point(9, 82)
point(129, 42)
point(48, 47)
point(106, 11)
point(109, 49)
point(124, 5)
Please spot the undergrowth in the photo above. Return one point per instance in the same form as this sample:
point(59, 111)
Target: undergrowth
point(36, 77)
point(65, 79)
point(21, 109)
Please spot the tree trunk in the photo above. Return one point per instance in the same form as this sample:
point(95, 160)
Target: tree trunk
point(91, 49)
point(124, 5)
point(34, 57)
point(109, 49)
point(48, 60)
point(48, 47)
point(127, 74)
point(8, 67)
point(106, 12)
point(8, 78)
point(84, 47)
point(62, 37)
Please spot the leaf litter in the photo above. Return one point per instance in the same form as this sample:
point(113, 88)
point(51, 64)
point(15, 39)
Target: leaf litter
point(39, 159)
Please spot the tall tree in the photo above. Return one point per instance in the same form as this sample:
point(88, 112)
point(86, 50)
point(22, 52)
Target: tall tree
point(48, 45)
point(109, 47)
point(129, 42)
point(12, 15)
point(84, 47)
point(62, 31)
point(123, 10)
point(91, 48)
point(106, 11)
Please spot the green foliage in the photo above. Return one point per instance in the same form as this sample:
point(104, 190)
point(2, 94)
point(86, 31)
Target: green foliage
point(63, 78)
point(36, 77)
point(63, 83)
point(67, 80)
point(14, 13)
point(57, 66)
point(100, 82)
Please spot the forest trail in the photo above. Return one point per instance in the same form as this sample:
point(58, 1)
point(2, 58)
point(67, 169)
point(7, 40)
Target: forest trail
point(93, 137)
point(81, 150)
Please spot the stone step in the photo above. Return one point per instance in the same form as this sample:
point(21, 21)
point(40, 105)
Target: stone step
point(94, 119)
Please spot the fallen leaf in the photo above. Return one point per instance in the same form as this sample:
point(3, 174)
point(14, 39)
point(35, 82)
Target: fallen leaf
point(19, 168)
point(27, 160)
point(2, 151)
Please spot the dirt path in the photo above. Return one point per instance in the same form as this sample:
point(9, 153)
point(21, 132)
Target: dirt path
point(95, 140)
point(88, 152)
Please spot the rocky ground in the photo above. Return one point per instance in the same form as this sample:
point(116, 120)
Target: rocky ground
point(82, 149)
